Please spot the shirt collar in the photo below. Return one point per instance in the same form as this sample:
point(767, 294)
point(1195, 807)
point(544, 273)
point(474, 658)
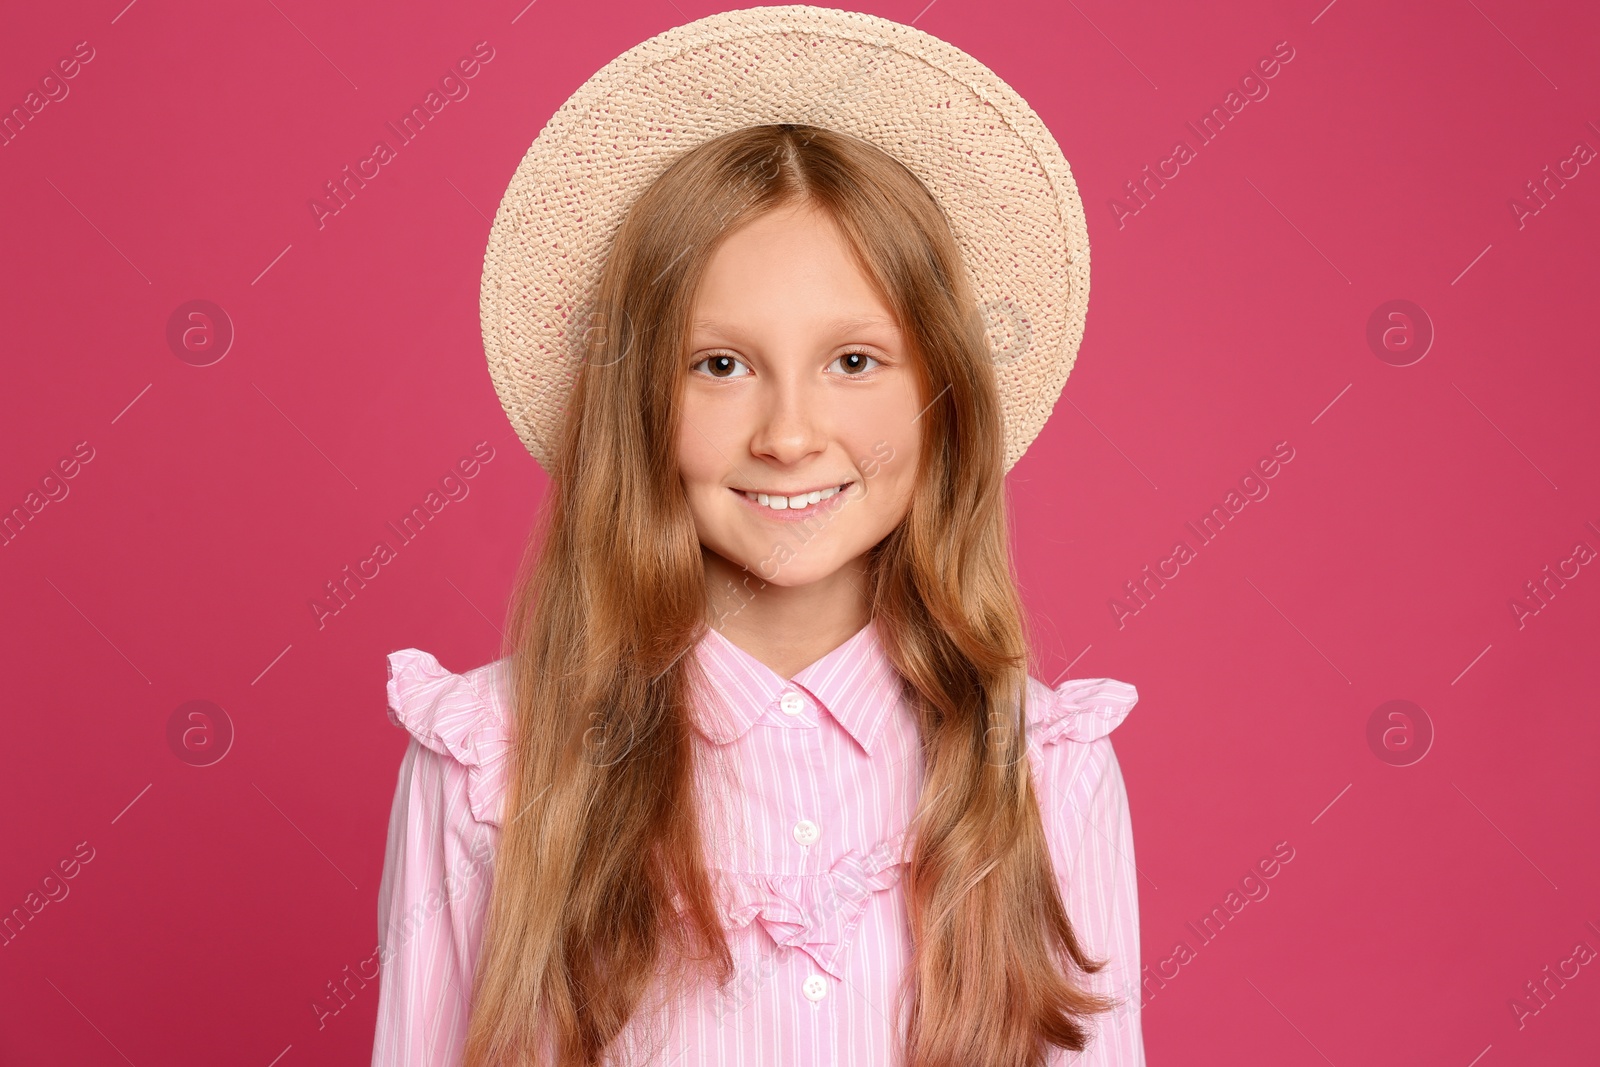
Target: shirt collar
point(855, 683)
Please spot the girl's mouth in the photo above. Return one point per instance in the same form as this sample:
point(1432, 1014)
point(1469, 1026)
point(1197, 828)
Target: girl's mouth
point(794, 507)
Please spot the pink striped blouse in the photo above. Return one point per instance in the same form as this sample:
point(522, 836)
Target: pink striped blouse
point(810, 785)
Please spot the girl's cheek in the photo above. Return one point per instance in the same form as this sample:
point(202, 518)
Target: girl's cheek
point(698, 458)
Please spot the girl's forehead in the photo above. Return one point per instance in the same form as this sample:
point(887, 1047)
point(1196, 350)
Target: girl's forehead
point(787, 250)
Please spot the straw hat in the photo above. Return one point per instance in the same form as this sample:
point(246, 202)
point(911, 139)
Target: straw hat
point(977, 146)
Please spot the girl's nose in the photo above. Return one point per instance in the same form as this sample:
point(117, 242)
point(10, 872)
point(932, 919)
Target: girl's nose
point(790, 426)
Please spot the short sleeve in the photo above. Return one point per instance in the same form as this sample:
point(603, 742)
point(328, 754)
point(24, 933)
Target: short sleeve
point(1084, 802)
point(439, 860)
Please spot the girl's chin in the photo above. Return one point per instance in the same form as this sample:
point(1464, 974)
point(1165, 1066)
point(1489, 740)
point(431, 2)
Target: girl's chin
point(781, 565)
point(786, 579)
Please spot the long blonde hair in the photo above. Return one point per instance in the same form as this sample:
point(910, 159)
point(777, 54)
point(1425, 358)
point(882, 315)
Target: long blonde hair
point(601, 887)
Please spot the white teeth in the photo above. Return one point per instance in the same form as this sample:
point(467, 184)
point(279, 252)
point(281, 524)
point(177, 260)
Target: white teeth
point(799, 500)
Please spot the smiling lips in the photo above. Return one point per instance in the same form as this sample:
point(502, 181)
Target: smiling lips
point(791, 502)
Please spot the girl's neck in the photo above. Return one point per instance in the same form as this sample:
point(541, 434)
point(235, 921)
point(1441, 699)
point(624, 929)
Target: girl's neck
point(788, 628)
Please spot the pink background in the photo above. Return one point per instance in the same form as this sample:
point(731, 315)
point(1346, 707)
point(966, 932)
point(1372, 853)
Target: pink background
point(1229, 313)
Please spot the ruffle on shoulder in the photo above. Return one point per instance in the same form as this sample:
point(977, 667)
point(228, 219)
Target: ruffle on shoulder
point(817, 913)
point(455, 715)
point(1079, 709)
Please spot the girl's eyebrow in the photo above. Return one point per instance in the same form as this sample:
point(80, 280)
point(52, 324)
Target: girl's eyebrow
point(837, 326)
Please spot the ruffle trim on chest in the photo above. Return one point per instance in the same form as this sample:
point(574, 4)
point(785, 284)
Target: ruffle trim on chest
point(817, 913)
point(1079, 709)
point(455, 715)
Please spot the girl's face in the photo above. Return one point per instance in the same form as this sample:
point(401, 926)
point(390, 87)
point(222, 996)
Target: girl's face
point(800, 383)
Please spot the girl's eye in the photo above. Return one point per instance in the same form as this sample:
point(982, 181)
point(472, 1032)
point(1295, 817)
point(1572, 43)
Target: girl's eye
point(855, 363)
point(723, 367)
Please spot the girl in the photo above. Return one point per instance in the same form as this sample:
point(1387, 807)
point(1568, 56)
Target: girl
point(763, 777)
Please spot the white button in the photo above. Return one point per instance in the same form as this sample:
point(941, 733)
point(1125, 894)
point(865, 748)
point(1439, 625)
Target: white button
point(792, 703)
point(806, 832)
point(815, 987)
